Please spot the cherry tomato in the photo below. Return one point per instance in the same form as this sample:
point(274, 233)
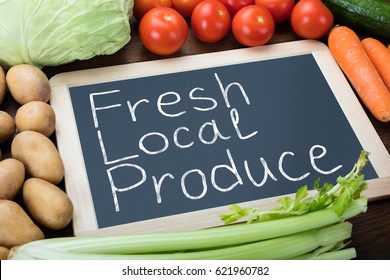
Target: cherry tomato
point(280, 9)
point(234, 5)
point(163, 31)
point(210, 21)
point(311, 19)
point(185, 7)
point(142, 6)
point(253, 25)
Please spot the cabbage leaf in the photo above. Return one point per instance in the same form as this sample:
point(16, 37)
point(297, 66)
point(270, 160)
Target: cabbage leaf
point(54, 32)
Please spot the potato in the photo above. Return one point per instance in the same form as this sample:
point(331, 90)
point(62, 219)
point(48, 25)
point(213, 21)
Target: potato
point(37, 116)
point(16, 227)
point(39, 156)
point(48, 204)
point(7, 127)
point(2, 85)
point(11, 178)
point(4, 252)
point(28, 83)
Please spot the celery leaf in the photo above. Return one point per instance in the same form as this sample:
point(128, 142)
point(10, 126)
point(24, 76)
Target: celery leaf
point(338, 197)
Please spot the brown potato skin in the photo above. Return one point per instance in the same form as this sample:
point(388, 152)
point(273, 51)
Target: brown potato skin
point(2, 85)
point(47, 204)
point(36, 116)
point(28, 83)
point(7, 127)
point(16, 227)
point(12, 173)
point(4, 252)
point(39, 156)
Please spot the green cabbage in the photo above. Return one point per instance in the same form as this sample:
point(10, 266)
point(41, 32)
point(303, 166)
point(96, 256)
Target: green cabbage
point(54, 32)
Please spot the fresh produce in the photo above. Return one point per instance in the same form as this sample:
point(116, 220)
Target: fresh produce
point(185, 7)
point(323, 254)
point(12, 174)
point(28, 83)
point(54, 32)
point(141, 7)
point(39, 155)
point(349, 53)
point(2, 85)
point(234, 5)
point(380, 57)
point(316, 227)
point(33, 154)
point(210, 21)
point(47, 204)
point(369, 15)
point(283, 247)
point(16, 227)
point(36, 116)
point(311, 19)
point(335, 197)
point(280, 9)
point(4, 253)
point(163, 31)
point(7, 127)
point(253, 25)
point(307, 227)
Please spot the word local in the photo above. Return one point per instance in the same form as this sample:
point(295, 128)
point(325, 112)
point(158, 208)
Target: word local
point(169, 100)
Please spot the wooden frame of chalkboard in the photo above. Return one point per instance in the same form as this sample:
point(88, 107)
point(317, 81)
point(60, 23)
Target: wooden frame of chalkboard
point(75, 118)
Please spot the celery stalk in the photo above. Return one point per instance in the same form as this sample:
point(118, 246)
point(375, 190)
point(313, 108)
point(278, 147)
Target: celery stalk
point(284, 247)
point(343, 254)
point(198, 239)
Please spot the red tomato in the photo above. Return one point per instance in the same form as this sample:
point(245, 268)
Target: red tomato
point(280, 9)
point(253, 25)
point(234, 5)
point(311, 19)
point(142, 6)
point(210, 21)
point(185, 7)
point(163, 31)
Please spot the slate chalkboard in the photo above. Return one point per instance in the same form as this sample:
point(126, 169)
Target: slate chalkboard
point(162, 145)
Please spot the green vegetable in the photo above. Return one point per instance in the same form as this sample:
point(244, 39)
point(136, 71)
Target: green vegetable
point(53, 32)
point(369, 15)
point(337, 197)
point(283, 247)
point(329, 253)
point(305, 228)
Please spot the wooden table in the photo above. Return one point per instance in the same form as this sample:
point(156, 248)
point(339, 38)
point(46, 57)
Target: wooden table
point(371, 230)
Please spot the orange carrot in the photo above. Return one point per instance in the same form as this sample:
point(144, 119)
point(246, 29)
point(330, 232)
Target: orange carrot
point(349, 53)
point(380, 57)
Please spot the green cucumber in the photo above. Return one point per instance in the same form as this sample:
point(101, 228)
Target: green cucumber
point(372, 16)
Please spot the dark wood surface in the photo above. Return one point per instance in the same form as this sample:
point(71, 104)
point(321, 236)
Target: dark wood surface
point(371, 230)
